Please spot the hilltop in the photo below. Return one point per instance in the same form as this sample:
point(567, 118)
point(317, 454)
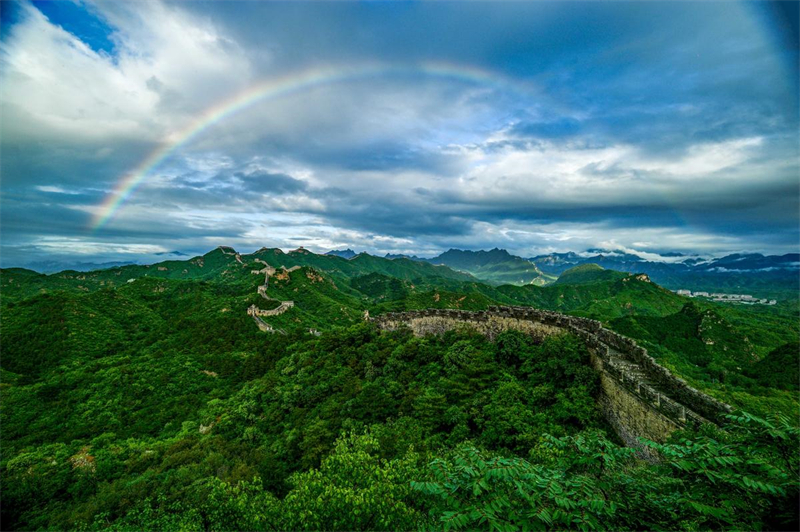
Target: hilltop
point(344, 253)
point(588, 273)
point(496, 266)
point(767, 276)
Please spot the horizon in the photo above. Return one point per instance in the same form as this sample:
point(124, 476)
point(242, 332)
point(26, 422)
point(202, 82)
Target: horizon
point(137, 129)
point(51, 266)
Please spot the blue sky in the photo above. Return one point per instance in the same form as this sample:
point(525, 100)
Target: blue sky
point(646, 127)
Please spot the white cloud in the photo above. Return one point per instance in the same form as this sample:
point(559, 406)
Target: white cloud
point(167, 65)
point(572, 173)
point(88, 247)
point(703, 159)
point(54, 190)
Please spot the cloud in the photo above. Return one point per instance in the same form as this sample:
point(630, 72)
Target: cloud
point(670, 126)
point(264, 182)
point(167, 66)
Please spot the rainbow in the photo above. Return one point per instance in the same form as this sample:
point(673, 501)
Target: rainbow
point(276, 88)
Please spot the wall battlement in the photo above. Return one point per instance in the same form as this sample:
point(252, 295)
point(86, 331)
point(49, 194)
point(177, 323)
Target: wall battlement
point(256, 312)
point(640, 398)
point(253, 310)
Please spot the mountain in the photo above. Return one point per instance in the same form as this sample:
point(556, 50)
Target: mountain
point(170, 254)
point(52, 266)
point(223, 264)
point(588, 273)
point(763, 276)
point(344, 253)
point(330, 291)
point(753, 262)
point(557, 263)
point(496, 266)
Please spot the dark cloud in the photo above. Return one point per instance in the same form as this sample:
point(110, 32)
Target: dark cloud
point(542, 118)
point(263, 182)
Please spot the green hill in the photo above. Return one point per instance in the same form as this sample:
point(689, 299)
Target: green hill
point(780, 368)
point(496, 266)
point(145, 398)
point(588, 273)
point(620, 295)
point(704, 347)
point(220, 265)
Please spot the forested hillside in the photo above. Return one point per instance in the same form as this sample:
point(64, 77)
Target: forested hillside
point(496, 266)
point(146, 398)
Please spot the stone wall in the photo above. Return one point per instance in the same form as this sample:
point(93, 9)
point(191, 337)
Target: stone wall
point(256, 312)
point(629, 416)
point(253, 310)
point(640, 398)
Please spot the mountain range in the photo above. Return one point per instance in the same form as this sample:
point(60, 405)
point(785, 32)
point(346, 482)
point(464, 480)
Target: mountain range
point(762, 275)
point(329, 291)
point(770, 275)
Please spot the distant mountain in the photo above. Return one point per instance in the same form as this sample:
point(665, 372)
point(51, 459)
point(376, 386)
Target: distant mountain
point(768, 276)
point(171, 254)
point(52, 266)
point(496, 266)
point(557, 263)
point(344, 253)
point(393, 256)
point(754, 262)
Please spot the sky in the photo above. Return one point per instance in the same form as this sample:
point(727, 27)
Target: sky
point(138, 129)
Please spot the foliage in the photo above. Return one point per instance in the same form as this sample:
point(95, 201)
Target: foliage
point(780, 368)
point(585, 482)
point(705, 348)
point(157, 404)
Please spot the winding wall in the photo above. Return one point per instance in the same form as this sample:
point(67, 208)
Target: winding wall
point(639, 397)
point(257, 313)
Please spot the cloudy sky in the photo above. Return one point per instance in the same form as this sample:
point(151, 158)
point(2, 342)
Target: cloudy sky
point(138, 128)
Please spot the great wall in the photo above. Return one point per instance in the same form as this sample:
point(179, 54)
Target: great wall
point(639, 397)
point(258, 313)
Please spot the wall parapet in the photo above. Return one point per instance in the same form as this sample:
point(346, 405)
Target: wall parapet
point(255, 312)
point(622, 358)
